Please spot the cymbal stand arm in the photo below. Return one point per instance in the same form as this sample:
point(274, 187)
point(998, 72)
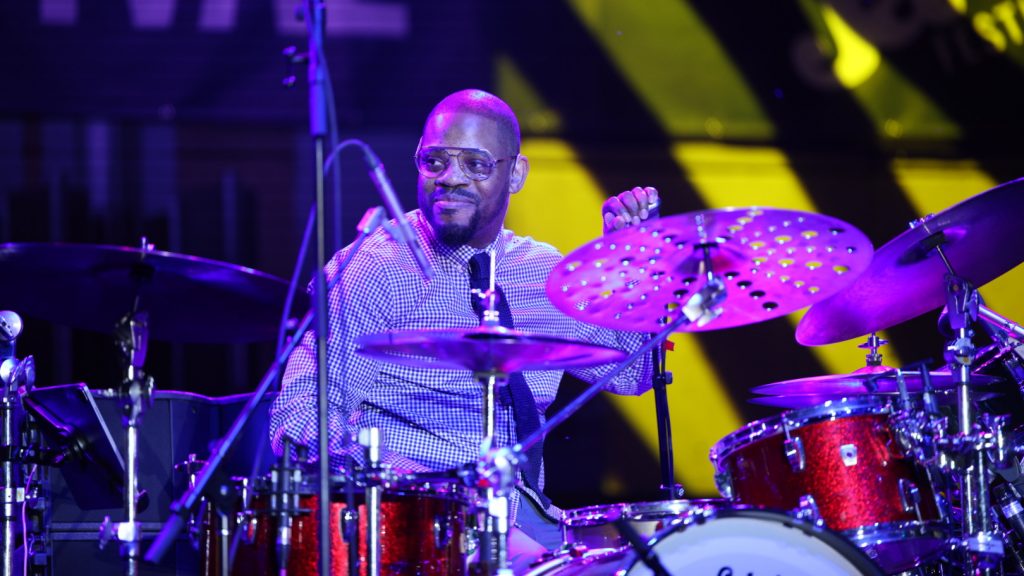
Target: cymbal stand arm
point(1013, 329)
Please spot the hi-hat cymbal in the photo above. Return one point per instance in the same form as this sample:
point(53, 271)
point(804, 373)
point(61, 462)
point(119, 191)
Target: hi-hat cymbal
point(860, 383)
point(188, 299)
point(771, 261)
point(980, 238)
point(483, 349)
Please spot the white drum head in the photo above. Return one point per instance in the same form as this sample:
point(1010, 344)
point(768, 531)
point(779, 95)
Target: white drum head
point(755, 542)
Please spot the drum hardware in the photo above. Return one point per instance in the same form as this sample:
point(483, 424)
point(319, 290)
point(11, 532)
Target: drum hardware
point(369, 438)
point(807, 510)
point(14, 375)
point(850, 447)
point(491, 352)
point(251, 286)
point(645, 553)
point(132, 339)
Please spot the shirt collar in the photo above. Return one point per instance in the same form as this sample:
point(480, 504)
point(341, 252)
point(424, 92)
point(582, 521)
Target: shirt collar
point(461, 254)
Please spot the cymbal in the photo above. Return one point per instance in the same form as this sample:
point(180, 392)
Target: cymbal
point(483, 349)
point(771, 261)
point(944, 397)
point(858, 383)
point(188, 299)
point(980, 238)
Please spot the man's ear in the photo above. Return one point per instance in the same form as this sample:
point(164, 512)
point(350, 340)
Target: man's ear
point(520, 168)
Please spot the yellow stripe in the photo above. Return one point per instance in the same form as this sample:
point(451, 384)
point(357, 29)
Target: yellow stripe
point(672, 62)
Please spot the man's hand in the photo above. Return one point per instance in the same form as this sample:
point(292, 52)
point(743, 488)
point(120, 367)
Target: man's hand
point(629, 208)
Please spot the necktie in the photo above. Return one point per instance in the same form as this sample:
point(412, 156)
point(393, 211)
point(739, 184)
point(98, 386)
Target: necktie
point(524, 408)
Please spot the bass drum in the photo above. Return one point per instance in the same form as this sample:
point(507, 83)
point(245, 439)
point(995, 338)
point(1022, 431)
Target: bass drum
point(734, 542)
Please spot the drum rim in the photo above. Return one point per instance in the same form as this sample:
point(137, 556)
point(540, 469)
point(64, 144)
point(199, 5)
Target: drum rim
point(844, 547)
point(571, 518)
point(883, 532)
point(795, 419)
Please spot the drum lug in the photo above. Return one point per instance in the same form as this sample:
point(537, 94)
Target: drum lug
point(808, 511)
point(794, 449)
point(910, 496)
point(723, 481)
point(443, 531)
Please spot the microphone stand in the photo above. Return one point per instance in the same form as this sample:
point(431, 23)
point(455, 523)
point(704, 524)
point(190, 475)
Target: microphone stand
point(317, 77)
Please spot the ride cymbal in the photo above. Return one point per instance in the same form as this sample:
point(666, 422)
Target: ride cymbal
point(771, 262)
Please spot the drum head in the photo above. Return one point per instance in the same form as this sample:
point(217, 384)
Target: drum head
point(753, 542)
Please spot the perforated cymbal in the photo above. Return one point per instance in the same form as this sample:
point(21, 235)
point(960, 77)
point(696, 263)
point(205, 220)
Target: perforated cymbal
point(771, 261)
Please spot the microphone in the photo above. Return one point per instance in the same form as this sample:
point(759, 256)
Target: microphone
point(402, 231)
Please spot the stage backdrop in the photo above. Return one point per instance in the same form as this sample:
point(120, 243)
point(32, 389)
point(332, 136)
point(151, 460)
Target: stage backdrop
point(169, 120)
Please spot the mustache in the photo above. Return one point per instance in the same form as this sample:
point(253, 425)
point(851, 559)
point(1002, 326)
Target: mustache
point(454, 194)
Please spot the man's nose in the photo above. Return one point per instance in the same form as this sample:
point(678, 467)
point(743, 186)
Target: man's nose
point(453, 173)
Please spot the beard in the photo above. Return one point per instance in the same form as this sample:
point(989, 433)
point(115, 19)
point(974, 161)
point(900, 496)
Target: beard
point(455, 235)
point(449, 233)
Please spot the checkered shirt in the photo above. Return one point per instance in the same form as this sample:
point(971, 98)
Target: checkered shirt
point(430, 419)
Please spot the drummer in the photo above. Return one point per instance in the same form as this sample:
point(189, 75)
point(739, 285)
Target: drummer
point(469, 165)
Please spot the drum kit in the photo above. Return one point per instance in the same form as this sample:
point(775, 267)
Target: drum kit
point(880, 471)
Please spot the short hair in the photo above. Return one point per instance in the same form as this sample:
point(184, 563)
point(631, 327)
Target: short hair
point(483, 104)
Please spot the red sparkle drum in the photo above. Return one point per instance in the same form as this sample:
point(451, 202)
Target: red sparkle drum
point(841, 463)
point(423, 530)
point(725, 542)
point(594, 526)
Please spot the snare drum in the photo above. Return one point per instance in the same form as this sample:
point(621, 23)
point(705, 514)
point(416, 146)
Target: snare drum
point(840, 463)
point(423, 530)
point(733, 542)
point(594, 526)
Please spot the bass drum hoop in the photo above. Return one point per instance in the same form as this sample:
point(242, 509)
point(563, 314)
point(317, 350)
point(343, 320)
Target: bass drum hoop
point(849, 551)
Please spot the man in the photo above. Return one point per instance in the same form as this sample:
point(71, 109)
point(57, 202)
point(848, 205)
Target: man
point(469, 165)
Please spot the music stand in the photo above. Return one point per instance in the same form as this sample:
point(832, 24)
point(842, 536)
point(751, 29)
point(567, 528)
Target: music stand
point(68, 418)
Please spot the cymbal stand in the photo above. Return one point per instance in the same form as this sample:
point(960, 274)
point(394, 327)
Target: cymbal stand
point(14, 374)
point(369, 438)
point(703, 311)
point(661, 379)
point(976, 438)
point(496, 468)
point(136, 396)
point(494, 537)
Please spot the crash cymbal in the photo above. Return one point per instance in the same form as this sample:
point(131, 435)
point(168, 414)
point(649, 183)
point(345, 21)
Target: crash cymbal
point(188, 299)
point(856, 384)
point(771, 261)
point(483, 349)
point(943, 397)
point(980, 238)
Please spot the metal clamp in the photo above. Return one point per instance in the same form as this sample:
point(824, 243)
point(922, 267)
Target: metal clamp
point(794, 450)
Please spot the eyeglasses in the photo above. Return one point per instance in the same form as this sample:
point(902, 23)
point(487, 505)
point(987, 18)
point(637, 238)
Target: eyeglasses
point(476, 164)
